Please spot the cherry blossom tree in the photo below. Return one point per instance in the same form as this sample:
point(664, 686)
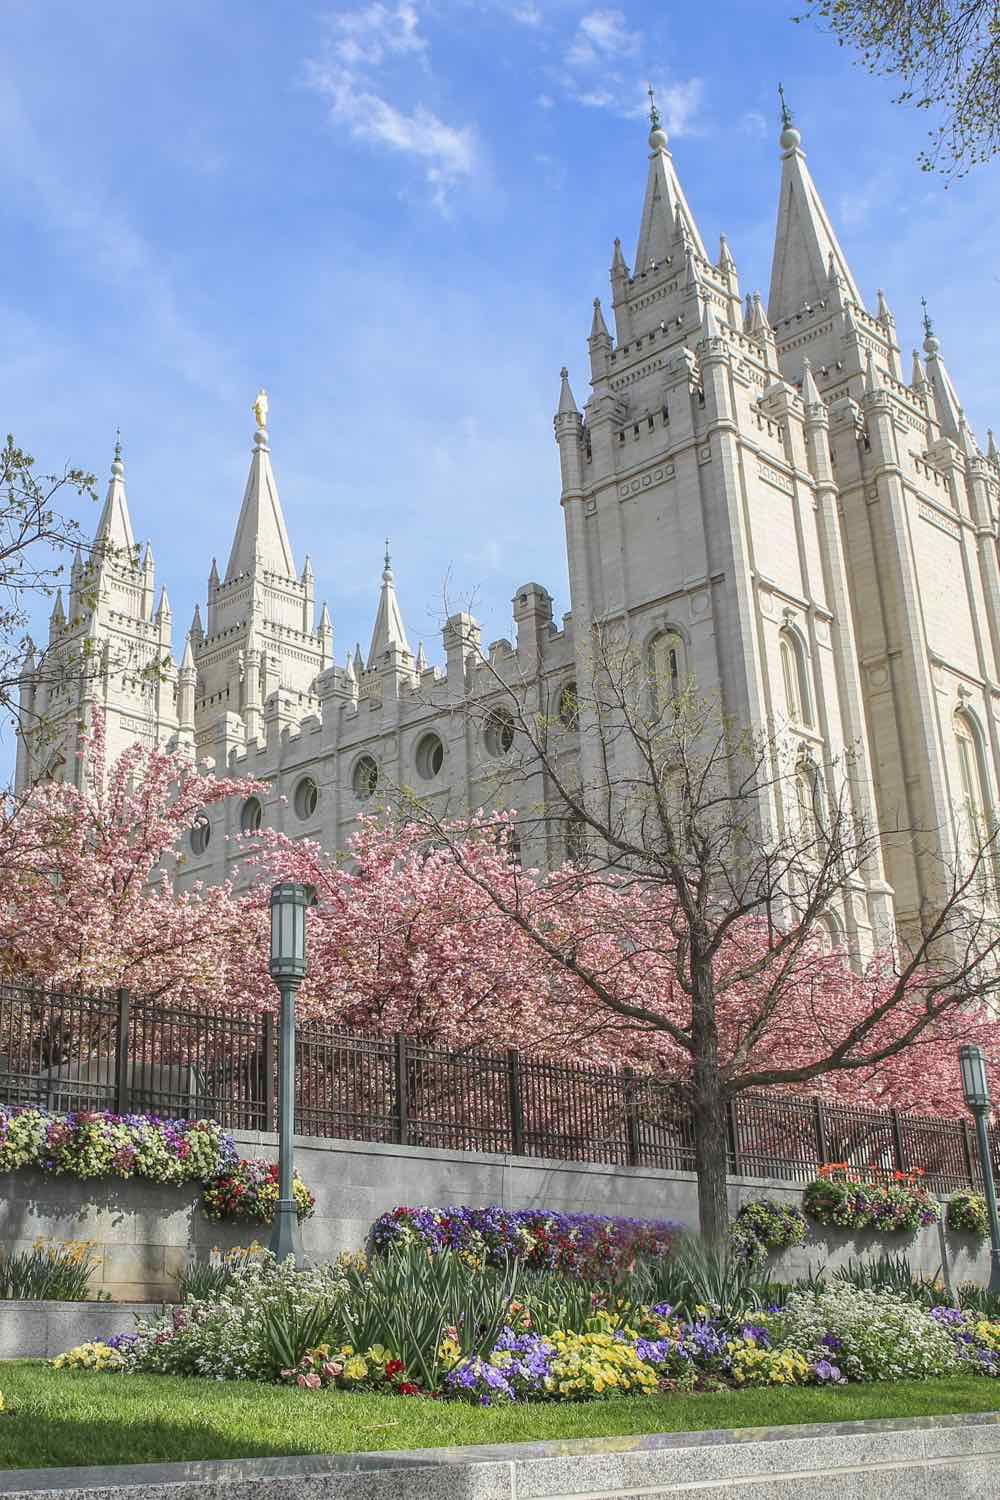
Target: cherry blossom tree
point(87, 892)
point(708, 860)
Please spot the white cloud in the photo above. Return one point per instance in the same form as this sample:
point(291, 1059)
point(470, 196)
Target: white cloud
point(527, 15)
point(599, 73)
point(364, 42)
point(753, 123)
point(602, 34)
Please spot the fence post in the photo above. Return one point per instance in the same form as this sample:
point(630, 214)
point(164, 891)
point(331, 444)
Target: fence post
point(822, 1144)
point(121, 1054)
point(733, 1123)
point(631, 1119)
point(516, 1099)
point(402, 1121)
point(898, 1144)
point(970, 1158)
point(268, 1064)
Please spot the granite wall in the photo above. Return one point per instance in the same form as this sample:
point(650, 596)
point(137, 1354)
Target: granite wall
point(145, 1233)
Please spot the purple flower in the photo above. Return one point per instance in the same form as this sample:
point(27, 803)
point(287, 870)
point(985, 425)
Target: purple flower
point(830, 1341)
point(826, 1373)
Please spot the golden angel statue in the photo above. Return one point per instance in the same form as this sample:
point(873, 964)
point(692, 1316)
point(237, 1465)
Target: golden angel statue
point(259, 408)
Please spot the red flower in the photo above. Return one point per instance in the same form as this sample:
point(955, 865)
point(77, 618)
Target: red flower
point(408, 1389)
point(393, 1368)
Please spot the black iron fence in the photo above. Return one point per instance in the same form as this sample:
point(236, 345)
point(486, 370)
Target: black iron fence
point(67, 1051)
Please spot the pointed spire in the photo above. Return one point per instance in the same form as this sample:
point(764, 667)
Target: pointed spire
point(163, 609)
point(307, 569)
point(421, 662)
point(567, 405)
point(665, 211)
point(389, 629)
point(872, 383)
point(807, 252)
point(359, 661)
point(884, 312)
point(946, 402)
point(349, 672)
point(187, 660)
point(726, 263)
point(57, 619)
point(114, 529)
point(919, 380)
point(147, 559)
point(197, 632)
point(261, 537)
point(598, 327)
point(810, 390)
point(757, 324)
point(252, 647)
point(618, 264)
point(325, 623)
point(213, 577)
point(991, 447)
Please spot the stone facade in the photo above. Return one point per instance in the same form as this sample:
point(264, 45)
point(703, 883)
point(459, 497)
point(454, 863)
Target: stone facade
point(760, 498)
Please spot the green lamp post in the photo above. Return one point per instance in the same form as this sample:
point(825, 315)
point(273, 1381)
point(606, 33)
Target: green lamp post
point(976, 1087)
point(287, 966)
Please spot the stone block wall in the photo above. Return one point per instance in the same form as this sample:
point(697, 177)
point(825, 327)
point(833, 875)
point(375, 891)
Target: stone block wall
point(145, 1233)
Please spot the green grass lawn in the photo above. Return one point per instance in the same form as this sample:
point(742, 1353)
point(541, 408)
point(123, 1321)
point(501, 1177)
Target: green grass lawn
point(80, 1417)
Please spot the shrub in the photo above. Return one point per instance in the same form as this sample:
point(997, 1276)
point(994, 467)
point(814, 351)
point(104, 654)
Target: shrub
point(48, 1273)
point(203, 1282)
point(593, 1245)
point(871, 1335)
point(967, 1212)
point(843, 1202)
point(95, 1356)
point(765, 1225)
point(248, 1192)
point(976, 1339)
point(99, 1143)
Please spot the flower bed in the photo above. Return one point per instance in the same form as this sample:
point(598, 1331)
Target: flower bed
point(842, 1200)
point(587, 1244)
point(248, 1193)
point(966, 1212)
point(412, 1323)
point(99, 1143)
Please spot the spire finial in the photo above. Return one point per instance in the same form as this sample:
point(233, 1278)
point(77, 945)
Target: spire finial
point(657, 134)
point(790, 138)
point(118, 445)
point(259, 409)
point(387, 570)
point(931, 342)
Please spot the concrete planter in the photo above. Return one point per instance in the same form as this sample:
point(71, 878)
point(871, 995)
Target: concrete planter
point(40, 1330)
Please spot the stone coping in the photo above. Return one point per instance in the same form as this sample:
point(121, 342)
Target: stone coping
point(652, 1463)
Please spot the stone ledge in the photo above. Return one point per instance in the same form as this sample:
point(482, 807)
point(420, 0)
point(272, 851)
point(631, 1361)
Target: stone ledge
point(929, 1458)
point(40, 1330)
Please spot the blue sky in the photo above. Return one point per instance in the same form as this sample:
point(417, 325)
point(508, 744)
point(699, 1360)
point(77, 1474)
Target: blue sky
point(395, 216)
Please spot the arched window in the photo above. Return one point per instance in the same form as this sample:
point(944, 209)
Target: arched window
point(365, 778)
point(430, 757)
point(252, 816)
point(498, 732)
point(975, 787)
point(569, 708)
point(830, 932)
point(807, 797)
point(306, 798)
point(201, 834)
point(796, 678)
point(667, 668)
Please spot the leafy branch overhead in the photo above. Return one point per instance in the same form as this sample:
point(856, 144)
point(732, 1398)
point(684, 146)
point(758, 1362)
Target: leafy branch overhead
point(945, 54)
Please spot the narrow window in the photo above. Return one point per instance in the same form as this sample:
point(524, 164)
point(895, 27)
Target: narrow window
point(795, 677)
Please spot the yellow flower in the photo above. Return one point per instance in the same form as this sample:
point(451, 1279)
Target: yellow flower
point(355, 1369)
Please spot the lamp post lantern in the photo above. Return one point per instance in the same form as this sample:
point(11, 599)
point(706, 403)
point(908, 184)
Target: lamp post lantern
point(287, 967)
point(976, 1087)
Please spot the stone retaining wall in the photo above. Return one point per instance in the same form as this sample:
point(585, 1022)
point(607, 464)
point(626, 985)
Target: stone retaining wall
point(39, 1330)
point(942, 1458)
point(145, 1233)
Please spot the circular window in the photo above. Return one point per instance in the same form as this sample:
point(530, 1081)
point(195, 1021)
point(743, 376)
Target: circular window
point(430, 757)
point(306, 798)
point(252, 816)
point(498, 731)
point(201, 834)
point(365, 778)
point(569, 708)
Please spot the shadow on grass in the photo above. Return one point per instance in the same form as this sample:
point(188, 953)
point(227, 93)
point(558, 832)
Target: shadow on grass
point(29, 1441)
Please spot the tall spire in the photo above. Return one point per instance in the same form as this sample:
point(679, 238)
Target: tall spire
point(805, 246)
point(949, 409)
point(114, 529)
point(389, 629)
point(261, 537)
point(567, 405)
point(665, 211)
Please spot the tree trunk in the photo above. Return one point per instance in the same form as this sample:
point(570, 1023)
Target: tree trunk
point(711, 1157)
point(711, 1153)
